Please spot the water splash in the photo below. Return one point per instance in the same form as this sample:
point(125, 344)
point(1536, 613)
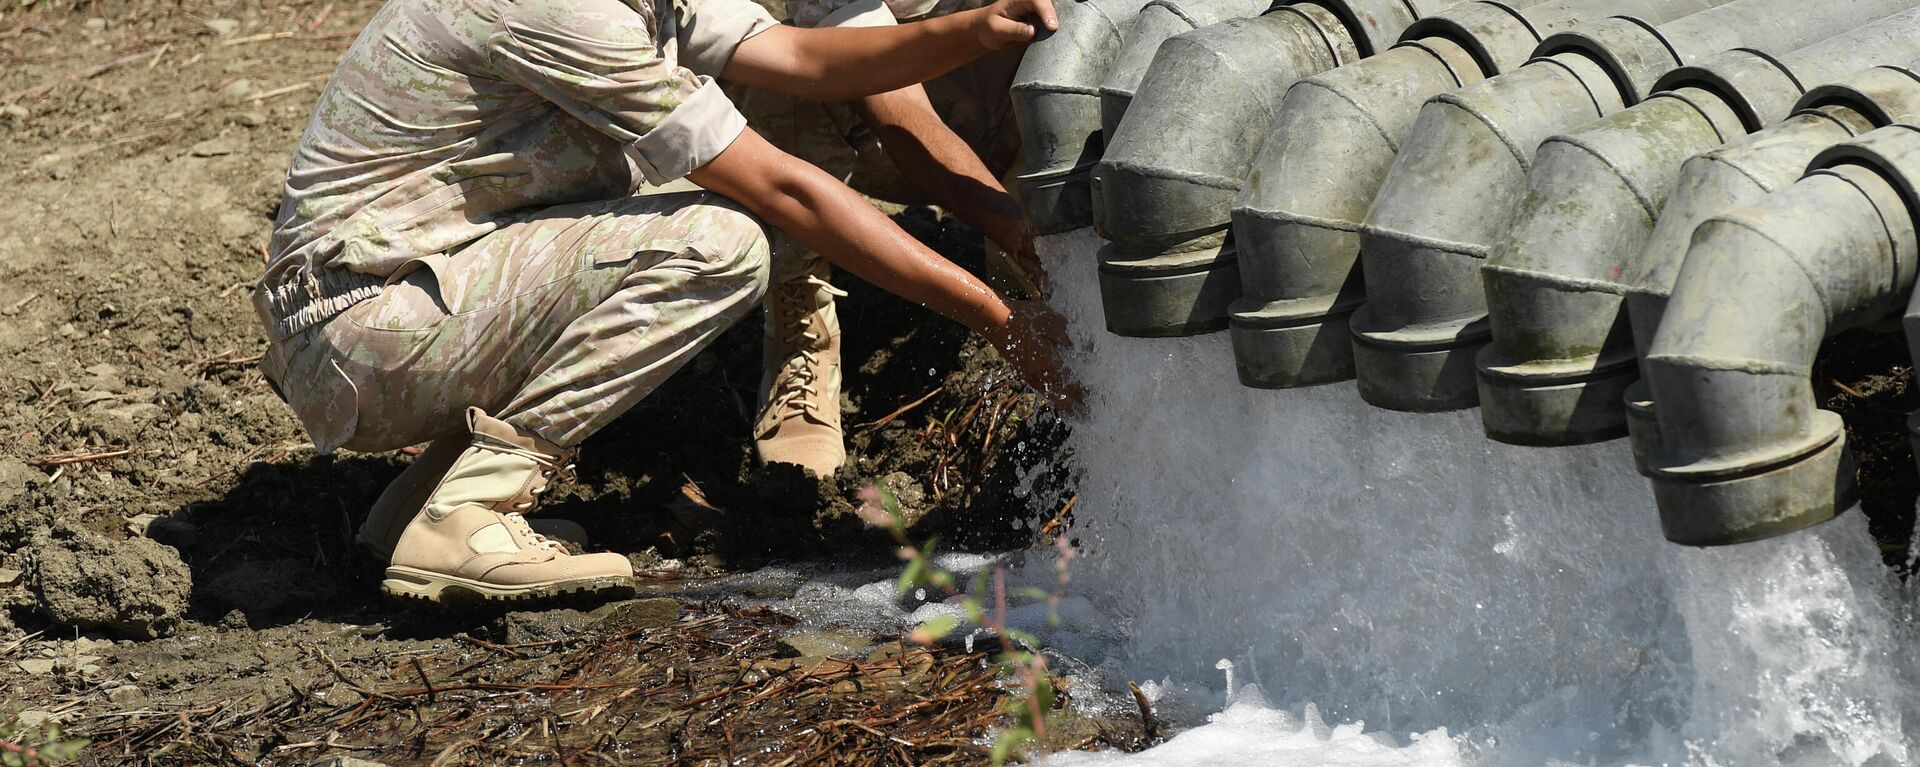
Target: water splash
point(1250, 731)
point(1403, 571)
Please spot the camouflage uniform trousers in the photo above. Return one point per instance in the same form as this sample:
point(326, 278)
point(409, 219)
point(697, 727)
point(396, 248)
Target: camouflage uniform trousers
point(557, 323)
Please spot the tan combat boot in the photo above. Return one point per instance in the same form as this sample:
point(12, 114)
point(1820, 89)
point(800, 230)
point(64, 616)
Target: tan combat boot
point(470, 539)
point(406, 496)
point(800, 382)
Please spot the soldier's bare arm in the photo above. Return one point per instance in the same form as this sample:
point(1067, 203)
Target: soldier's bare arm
point(941, 165)
point(838, 223)
point(838, 64)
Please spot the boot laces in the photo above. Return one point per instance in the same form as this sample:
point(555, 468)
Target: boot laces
point(794, 386)
point(548, 471)
point(519, 525)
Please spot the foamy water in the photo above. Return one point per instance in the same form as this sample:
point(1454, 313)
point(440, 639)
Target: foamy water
point(1404, 591)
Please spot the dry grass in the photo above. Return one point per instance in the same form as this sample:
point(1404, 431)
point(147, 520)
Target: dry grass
point(710, 690)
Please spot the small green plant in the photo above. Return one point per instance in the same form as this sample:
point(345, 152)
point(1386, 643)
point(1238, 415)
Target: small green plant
point(22, 746)
point(1028, 709)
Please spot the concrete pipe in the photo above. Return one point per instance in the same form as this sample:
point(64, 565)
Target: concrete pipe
point(1562, 352)
point(1157, 21)
point(1455, 183)
point(1749, 168)
point(1189, 169)
point(1742, 172)
point(1742, 450)
point(1056, 103)
point(1296, 224)
point(1164, 199)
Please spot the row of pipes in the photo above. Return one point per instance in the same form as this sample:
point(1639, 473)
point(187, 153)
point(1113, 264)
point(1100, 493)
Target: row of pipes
point(1590, 218)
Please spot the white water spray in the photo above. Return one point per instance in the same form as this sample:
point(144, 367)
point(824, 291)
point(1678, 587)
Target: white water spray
point(1402, 571)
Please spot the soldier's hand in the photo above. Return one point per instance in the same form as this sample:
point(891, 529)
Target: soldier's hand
point(1034, 339)
point(1028, 261)
point(1008, 23)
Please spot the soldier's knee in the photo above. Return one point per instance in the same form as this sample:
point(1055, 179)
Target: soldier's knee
point(742, 246)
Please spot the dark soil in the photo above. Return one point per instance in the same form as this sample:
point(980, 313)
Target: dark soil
point(152, 485)
point(1866, 377)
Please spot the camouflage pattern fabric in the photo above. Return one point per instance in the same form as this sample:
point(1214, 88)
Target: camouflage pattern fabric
point(557, 323)
point(446, 116)
point(435, 246)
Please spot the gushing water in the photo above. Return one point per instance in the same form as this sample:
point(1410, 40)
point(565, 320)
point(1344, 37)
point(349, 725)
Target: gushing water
point(1453, 598)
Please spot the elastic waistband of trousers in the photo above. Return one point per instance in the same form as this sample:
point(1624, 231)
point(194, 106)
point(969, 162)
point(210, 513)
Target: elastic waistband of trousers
point(311, 297)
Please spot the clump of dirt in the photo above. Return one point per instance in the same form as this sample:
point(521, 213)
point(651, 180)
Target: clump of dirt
point(1865, 376)
point(134, 588)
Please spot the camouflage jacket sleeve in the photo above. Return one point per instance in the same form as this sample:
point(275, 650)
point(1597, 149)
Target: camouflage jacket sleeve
point(710, 31)
point(599, 60)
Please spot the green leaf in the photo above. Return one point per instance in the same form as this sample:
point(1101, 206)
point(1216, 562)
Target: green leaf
point(1007, 742)
point(931, 631)
point(1043, 690)
point(974, 613)
point(910, 577)
point(1030, 592)
point(941, 578)
point(1022, 637)
point(891, 503)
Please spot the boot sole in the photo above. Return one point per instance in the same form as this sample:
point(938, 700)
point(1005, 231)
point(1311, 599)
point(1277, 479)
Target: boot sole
point(411, 583)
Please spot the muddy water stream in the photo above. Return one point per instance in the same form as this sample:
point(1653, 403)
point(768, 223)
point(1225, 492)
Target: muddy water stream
point(1394, 588)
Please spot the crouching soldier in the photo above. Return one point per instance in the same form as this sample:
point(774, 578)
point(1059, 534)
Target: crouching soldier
point(475, 247)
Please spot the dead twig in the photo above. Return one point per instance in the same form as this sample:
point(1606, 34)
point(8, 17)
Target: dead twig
point(18, 643)
point(87, 74)
point(294, 88)
point(320, 18)
point(424, 682)
point(66, 459)
point(1148, 724)
point(904, 409)
point(15, 307)
point(267, 36)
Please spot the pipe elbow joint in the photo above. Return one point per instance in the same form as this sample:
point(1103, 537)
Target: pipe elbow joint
point(1056, 108)
point(1221, 85)
point(1562, 353)
point(1140, 41)
point(1296, 227)
point(1421, 250)
point(1297, 224)
point(1742, 451)
point(1163, 198)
